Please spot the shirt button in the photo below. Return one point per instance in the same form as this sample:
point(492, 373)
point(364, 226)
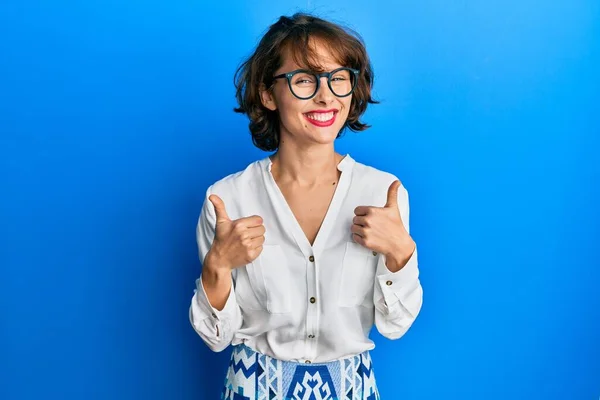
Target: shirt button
point(214, 315)
point(374, 253)
point(311, 336)
point(311, 258)
point(313, 300)
point(389, 283)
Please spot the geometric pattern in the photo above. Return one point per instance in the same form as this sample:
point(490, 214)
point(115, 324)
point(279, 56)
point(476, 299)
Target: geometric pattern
point(255, 376)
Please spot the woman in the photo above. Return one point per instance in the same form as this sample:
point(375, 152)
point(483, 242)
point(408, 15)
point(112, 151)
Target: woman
point(304, 250)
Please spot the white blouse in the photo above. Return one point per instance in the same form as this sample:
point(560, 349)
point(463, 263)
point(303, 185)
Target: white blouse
point(300, 302)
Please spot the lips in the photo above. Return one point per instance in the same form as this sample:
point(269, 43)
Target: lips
point(321, 118)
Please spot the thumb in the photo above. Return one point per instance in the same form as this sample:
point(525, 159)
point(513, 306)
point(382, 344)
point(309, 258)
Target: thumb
point(392, 196)
point(220, 211)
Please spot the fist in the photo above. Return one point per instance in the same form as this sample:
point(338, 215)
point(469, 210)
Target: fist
point(236, 242)
point(381, 228)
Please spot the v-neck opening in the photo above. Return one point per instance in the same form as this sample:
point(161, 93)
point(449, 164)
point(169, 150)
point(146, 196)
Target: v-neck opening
point(285, 211)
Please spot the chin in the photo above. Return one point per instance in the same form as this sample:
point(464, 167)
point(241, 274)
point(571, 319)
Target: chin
point(327, 137)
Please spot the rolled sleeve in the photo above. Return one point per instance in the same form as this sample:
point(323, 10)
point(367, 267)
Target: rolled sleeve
point(206, 310)
point(215, 327)
point(399, 288)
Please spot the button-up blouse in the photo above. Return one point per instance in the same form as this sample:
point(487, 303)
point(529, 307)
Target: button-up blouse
point(302, 302)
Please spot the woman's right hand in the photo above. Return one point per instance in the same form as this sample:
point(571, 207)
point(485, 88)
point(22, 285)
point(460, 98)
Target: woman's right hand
point(236, 242)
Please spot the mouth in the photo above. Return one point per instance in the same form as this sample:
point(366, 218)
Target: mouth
point(321, 118)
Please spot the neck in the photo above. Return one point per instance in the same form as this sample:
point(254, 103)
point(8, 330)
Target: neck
point(306, 167)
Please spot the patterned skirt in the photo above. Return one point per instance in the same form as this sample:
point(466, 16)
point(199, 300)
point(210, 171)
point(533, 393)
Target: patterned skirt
point(255, 376)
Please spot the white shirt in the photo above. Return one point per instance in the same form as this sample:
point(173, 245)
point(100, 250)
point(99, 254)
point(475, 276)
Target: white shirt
point(300, 302)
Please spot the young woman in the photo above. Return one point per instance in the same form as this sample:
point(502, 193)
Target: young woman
point(304, 250)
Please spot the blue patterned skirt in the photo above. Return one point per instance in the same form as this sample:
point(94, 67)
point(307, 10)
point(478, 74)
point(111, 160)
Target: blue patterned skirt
point(255, 376)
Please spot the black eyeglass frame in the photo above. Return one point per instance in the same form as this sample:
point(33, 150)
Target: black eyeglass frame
point(328, 75)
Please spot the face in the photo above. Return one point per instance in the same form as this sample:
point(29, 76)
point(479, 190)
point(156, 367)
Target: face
point(314, 121)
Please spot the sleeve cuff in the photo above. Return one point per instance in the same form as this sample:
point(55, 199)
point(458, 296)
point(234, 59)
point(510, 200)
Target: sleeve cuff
point(395, 286)
point(206, 310)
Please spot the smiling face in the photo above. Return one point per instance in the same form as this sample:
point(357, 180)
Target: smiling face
point(314, 121)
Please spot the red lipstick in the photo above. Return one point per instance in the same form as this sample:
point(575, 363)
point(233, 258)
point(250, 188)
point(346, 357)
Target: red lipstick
point(321, 123)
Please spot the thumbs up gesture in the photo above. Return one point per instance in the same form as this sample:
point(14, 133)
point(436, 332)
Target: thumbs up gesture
point(236, 242)
point(381, 229)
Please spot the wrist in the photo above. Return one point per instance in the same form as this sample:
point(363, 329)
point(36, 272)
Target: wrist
point(396, 260)
point(214, 266)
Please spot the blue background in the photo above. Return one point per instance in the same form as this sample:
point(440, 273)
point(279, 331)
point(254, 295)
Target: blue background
point(115, 116)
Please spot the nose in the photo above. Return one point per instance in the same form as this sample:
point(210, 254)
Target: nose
point(324, 94)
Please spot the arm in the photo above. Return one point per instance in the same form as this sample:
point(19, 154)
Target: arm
point(398, 296)
point(214, 312)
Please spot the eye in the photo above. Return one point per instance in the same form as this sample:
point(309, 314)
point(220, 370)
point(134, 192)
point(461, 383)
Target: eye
point(341, 76)
point(304, 79)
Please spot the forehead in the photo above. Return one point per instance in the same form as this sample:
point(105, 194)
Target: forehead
point(317, 55)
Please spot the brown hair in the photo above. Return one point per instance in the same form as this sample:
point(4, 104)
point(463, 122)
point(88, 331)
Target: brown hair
point(293, 34)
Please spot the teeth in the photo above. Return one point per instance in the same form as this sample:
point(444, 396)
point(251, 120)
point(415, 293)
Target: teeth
point(322, 117)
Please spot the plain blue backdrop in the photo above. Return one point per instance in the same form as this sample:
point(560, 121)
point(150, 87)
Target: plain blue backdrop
point(115, 116)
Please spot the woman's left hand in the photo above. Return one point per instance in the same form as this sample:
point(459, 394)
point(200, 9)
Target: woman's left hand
point(381, 229)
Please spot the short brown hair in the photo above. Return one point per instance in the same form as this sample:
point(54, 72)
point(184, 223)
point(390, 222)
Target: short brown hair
point(293, 34)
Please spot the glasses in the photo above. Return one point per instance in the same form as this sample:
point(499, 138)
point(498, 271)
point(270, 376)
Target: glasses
point(304, 84)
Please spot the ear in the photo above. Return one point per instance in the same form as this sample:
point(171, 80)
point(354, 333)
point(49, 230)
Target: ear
point(266, 97)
